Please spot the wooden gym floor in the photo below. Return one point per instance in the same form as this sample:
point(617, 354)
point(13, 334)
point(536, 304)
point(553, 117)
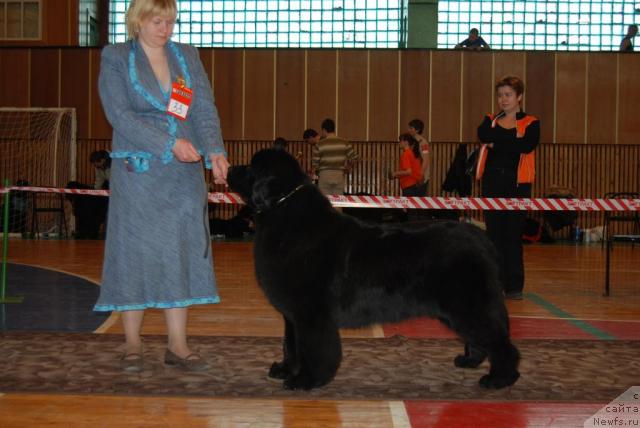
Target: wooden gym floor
point(563, 300)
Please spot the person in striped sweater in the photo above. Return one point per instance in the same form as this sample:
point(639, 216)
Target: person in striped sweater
point(332, 158)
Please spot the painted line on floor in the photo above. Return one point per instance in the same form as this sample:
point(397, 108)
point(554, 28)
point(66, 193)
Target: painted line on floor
point(399, 415)
point(581, 324)
point(377, 330)
point(538, 317)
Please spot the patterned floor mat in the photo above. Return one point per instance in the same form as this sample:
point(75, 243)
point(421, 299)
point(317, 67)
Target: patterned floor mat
point(390, 369)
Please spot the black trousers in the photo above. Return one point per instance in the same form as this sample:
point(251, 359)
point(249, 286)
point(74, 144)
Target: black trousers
point(419, 189)
point(505, 227)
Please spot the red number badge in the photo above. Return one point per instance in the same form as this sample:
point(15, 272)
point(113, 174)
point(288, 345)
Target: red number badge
point(180, 101)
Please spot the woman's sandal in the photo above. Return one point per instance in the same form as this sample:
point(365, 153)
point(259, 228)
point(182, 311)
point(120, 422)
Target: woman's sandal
point(191, 363)
point(132, 362)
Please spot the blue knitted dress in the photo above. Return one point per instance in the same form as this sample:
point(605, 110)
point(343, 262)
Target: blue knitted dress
point(158, 249)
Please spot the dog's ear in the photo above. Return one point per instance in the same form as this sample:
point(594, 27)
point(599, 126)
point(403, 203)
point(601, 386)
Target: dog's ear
point(263, 195)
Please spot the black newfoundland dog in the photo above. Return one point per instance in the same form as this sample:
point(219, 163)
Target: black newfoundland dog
point(323, 270)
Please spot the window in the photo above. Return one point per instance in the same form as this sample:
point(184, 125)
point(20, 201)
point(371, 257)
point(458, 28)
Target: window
point(281, 24)
point(20, 20)
point(576, 25)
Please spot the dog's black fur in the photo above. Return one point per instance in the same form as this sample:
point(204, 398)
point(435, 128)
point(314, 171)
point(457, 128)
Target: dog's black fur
point(323, 270)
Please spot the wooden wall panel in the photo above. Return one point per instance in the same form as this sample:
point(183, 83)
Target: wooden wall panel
point(574, 96)
point(383, 95)
point(321, 86)
point(73, 17)
point(477, 92)
point(45, 74)
point(601, 98)
point(59, 18)
point(414, 88)
point(445, 98)
point(14, 77)
point(351, 122)
point(229, 91)
point(290, 94)
point(206, 57)
point(571, 98)
point(629, 94)
point(100, 127)
point(539, 91)
point(509, 64)
point(74, 86)
point(259, 94)
point(60, 25)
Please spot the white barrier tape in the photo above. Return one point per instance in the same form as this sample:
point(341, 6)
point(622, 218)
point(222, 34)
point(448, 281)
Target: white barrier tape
point(56, 190)
point(488, 204)
point(423, 202)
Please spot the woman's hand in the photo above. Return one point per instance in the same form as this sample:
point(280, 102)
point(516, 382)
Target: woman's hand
point(184, 151)
point(219, 167)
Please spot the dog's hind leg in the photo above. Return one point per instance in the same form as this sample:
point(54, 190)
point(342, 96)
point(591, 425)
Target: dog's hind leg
point(319, 351)
point(472, 357)
point(504, 358)
point(503, 355)
point(486, 333)
point(289, 364)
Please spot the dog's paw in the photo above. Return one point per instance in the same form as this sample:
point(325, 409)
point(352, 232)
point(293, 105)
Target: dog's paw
point(466, 362)
point(496, 382)
point(279, 371)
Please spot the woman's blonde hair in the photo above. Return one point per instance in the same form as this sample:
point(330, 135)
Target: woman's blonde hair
point(142, 9)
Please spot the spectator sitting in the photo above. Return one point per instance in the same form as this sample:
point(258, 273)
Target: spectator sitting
point(236, 227)
point(101, 161)
point(627, 42)
point(280, 143)
point(18, 209)
point(90, 212)
point(311, 136)
point(473, 42)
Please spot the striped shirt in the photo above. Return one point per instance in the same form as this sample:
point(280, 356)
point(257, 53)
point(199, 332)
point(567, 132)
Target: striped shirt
point(424, 149)
point(333, 153)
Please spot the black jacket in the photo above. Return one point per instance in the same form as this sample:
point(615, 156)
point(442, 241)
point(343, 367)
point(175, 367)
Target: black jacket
point(457, 178)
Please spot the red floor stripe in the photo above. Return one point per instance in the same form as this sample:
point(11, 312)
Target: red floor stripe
point(521, 328)
point(479, 414)
point(623, 330)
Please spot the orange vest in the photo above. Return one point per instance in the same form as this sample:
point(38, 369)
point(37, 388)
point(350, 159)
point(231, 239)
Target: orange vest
point(527, 164)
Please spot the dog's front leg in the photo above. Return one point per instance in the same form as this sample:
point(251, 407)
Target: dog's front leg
point(289, 364)
point(319, 352)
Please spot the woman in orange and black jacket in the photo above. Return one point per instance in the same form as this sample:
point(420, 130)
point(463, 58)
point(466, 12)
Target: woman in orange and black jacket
point(506, 166)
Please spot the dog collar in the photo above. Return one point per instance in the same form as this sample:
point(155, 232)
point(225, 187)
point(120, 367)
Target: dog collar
point(288, 195)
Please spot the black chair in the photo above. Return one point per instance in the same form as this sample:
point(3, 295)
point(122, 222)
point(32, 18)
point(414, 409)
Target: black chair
point(621, 216)
point(615, 238)
point(57, 211)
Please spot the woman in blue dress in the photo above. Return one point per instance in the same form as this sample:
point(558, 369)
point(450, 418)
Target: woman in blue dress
point(159, 102)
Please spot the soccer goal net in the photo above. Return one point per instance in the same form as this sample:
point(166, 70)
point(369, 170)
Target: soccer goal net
point(37, 148)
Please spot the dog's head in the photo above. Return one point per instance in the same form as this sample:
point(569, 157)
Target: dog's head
point(272, 175)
